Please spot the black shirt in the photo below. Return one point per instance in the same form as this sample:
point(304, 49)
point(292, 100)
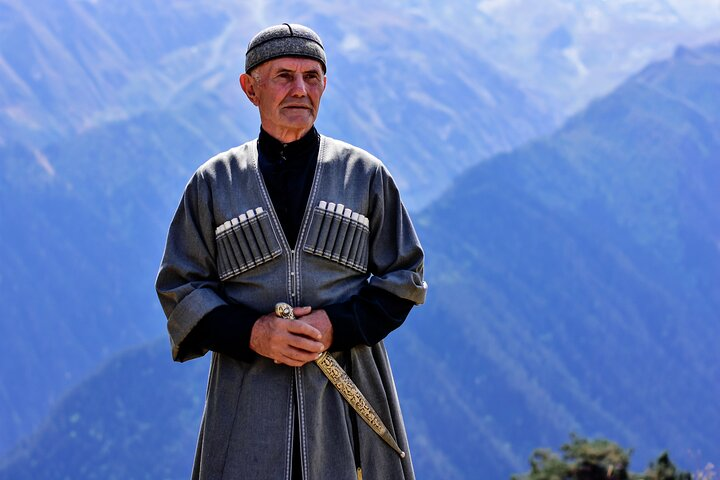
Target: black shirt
point(288, 170)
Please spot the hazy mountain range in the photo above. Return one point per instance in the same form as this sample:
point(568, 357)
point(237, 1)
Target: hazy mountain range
point(570, 52)
point(575, 288)
point(583, 291)
point(574, 280)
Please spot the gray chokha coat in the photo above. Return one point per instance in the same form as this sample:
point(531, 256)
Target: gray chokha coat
point(226, 245)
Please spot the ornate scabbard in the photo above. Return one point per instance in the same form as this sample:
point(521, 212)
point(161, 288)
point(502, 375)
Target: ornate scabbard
point(347, 388)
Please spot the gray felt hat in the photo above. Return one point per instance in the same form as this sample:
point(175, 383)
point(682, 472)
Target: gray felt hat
point(286, 40)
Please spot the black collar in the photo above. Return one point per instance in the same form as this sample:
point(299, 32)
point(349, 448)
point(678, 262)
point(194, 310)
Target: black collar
point(276, 151)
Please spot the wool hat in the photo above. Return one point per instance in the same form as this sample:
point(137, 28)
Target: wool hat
point(286, 40)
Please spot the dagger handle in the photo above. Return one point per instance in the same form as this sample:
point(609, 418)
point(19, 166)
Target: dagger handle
point(283, 310)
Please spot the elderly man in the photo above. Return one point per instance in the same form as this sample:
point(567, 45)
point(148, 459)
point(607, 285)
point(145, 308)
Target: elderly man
point(297, 217)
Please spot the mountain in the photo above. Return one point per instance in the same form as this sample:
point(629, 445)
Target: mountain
point(75, 66)
point(80, 246)
point(108, 431)
point(574, 286)
point(571, 52)
point(122, 106)
point(68, 66)
point(72, 65)
point(576, 283)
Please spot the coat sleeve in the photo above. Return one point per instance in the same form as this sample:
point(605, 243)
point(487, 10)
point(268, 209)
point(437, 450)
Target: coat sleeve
point(187, 283)
point(395, 257)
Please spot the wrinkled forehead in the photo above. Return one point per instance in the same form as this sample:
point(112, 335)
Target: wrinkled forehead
point(292, 64)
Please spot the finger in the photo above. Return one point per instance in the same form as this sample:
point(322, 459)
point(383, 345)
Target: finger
point(302, 355)
point(301, 311)
point(289, 362)
point(305, 344)
point(296, 358)
point(299, 327)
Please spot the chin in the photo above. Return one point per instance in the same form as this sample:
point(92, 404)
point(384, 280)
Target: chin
point(301, 125)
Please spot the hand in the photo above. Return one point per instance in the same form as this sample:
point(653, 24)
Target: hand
point(318, 319)
point(290, 342)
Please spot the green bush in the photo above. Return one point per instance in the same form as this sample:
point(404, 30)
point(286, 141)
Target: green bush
point(600, 459)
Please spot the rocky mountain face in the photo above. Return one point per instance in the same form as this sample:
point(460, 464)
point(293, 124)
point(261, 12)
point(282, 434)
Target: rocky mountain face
point(69, 66)
point(574, 287)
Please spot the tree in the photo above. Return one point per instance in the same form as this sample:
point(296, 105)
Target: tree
point(600, 459)
point(663, 469)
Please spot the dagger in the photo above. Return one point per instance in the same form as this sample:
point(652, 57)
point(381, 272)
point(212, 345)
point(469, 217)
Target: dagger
point(347, 388)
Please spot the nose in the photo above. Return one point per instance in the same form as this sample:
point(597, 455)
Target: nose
point(299, 89)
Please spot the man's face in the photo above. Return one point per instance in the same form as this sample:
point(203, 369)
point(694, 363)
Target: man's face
point(287, 92)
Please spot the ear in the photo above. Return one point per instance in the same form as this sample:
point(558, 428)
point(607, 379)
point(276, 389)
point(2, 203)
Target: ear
point(247, 83)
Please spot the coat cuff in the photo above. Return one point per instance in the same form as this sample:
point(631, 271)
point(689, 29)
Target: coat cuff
point(366, 318)
point(225, 330)
point(186, 315)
